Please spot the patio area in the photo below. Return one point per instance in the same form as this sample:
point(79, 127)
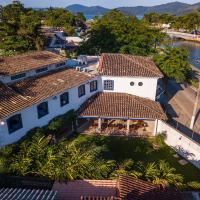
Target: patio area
point(116, 127)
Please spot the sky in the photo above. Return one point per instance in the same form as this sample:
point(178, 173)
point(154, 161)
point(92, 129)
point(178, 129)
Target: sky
point(104, 3)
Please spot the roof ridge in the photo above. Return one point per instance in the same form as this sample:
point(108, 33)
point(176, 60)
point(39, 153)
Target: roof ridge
point(127, 56)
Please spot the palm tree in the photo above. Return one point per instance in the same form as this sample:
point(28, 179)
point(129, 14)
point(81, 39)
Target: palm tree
point(167, 175)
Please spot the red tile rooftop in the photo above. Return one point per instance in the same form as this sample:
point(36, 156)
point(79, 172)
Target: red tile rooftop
point(36, 89)
point(125, 188)
point(121, 105)
point(113, 64)
point(28, 61)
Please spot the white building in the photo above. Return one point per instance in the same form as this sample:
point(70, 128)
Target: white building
point(37, 87)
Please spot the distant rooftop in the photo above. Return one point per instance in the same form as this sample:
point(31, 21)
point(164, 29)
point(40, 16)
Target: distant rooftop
point(28, 61)
point(113, 64)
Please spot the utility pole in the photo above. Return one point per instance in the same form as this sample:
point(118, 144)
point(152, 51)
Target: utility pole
point(195, 108)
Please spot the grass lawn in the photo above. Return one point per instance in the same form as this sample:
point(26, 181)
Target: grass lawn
point(121, 148)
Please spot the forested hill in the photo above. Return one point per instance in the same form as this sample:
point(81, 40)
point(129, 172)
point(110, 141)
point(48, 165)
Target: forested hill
point(175, 8)
point(92, 10)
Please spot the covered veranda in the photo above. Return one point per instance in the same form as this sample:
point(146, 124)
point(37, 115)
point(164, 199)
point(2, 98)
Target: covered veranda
point(109, 113)
point(117, 127)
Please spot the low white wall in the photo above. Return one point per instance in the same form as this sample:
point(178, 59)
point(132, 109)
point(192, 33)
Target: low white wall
point(183, 145)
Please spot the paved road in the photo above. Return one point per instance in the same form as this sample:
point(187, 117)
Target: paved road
point(180, 107)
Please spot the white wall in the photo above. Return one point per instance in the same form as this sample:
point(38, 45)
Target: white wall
point(30, 116)
point(183, 145)
point(122, 84)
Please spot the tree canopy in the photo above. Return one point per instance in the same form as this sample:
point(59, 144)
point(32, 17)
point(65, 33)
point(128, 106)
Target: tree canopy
point(158, 18)
point(115, 32)
point(174, 64)
point(20, 28)
point(189, 22)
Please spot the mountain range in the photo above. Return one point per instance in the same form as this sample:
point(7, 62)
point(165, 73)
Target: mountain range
point(175, 8)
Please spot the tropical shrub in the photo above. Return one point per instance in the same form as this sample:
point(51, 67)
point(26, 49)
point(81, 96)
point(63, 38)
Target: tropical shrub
point(194, 185)
point(58, 123)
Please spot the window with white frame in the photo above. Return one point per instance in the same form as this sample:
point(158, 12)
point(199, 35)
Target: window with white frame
point(108, 85)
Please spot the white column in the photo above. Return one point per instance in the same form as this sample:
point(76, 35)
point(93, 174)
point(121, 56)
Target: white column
point(128, 127)
point(99, 125)
point(155, 127)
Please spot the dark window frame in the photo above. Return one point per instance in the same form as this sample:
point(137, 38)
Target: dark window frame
point(80, 91)
point(40, 115)
point(64, 101)
point(93, 86)
point(18, 76)
point(10, 121)
point(108, 84)
point(60, 64)
point(40, 70)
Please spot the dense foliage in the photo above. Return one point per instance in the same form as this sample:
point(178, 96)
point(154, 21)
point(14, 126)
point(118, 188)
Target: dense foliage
point(188, 22)
point(174, 64)
point(59, 17)
point(20, 28)
point(115, 32)
point(85, 157)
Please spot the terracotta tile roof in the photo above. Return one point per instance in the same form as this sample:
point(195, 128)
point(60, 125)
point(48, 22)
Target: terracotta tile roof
point(108, 104)
point(127, 65)
point(34, 90)
point(125, 188)
point(28, 61)
point(74, 190)
point(131, 188)
point(10, 101)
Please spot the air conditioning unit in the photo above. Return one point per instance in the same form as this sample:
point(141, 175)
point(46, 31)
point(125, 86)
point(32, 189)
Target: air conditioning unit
point(85, 70)
point(78, 69)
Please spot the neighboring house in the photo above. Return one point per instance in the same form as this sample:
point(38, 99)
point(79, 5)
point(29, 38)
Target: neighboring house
point(37, 87)
point(61, 40)
point(166, 26)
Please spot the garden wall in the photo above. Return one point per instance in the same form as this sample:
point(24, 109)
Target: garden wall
point(183, 145)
